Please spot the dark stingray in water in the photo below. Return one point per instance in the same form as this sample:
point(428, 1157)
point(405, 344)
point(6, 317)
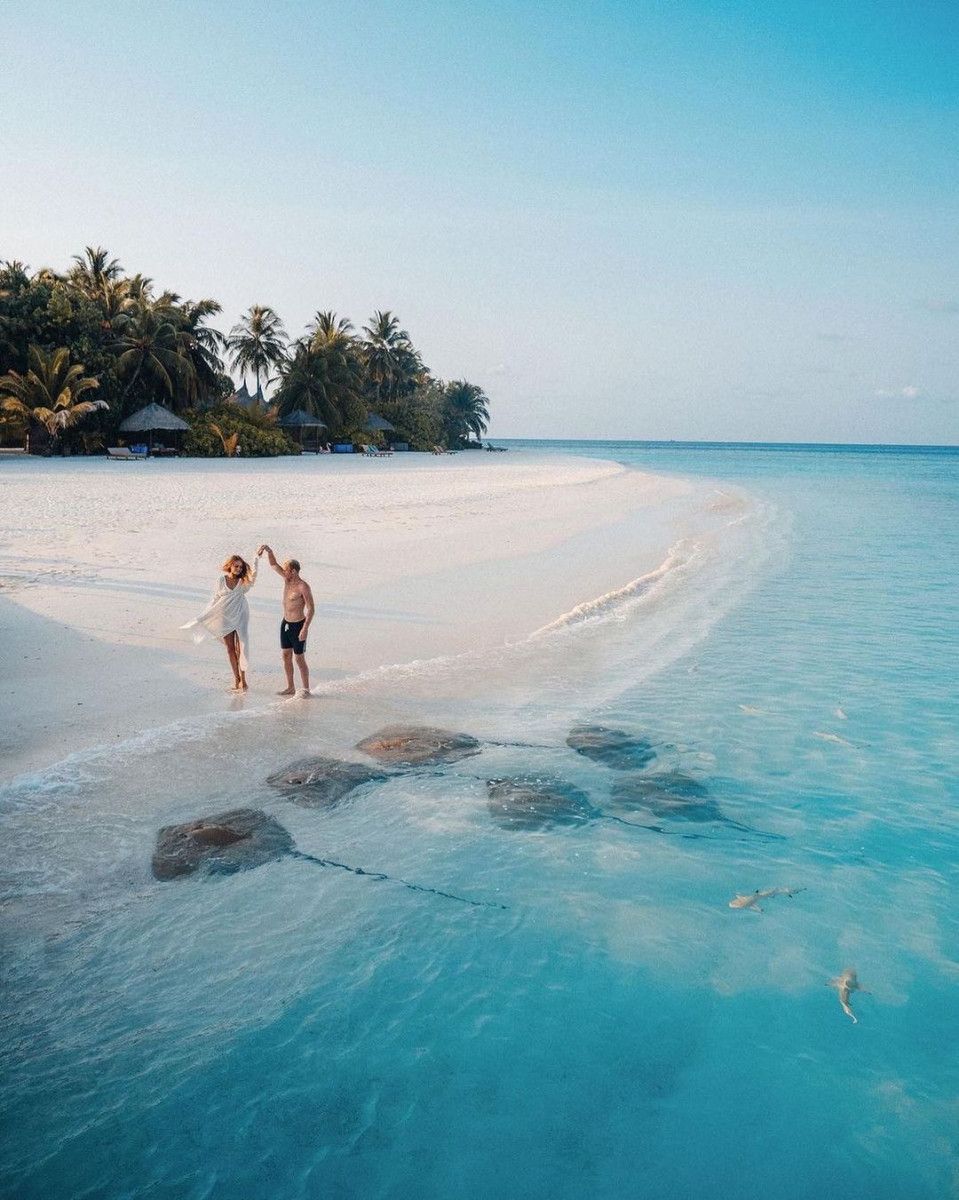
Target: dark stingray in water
point(527, 802)
point(534, 802)
point(670, 795)
point(612, 747)
point(245, 838)
point(418, 745)
point(219, 845)
point(322, 782)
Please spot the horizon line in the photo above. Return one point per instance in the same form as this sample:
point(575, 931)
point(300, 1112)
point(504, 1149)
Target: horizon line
point(738, 443)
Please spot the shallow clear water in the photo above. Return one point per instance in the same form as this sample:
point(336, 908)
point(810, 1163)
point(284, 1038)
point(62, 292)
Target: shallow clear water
point(616, 1029)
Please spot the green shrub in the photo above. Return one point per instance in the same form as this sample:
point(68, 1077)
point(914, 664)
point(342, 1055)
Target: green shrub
point(258, 439)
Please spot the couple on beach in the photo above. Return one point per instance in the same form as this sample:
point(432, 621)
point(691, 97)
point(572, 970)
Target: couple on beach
point(227, 617)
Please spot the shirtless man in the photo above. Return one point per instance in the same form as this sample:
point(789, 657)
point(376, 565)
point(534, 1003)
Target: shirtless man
point(298, 610)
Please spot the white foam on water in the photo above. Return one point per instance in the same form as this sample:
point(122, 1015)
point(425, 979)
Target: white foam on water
point(615, 601)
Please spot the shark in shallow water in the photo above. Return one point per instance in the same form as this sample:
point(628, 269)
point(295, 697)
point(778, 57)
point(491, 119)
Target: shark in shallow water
point(845, 984)
point(834, 738)
point(751, 900)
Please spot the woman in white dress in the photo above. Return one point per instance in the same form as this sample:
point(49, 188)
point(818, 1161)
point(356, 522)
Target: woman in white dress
point(227, 616)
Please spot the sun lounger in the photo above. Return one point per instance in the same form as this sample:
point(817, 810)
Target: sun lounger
point(124, 454)
point(375, 452)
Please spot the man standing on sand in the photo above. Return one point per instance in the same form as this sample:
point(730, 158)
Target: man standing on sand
point(298, 610)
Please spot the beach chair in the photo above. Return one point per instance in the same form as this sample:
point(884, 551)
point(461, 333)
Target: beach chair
point(375, 452)
point(124, 454)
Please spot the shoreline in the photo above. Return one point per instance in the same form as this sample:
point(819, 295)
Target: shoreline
point(410, 560)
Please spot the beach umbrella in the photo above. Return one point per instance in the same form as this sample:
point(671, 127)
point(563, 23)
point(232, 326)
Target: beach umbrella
point(151, 418)
point(300, 420)
point(377, 424)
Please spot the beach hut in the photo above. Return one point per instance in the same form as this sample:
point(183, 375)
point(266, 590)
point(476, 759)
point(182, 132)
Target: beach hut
point(150, 420)
point(377, 424)
point(299, 420)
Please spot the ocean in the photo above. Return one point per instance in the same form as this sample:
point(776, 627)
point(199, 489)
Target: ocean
point(600, 1022)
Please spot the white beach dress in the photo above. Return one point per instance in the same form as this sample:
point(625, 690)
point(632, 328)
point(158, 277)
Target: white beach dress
point(227, 612)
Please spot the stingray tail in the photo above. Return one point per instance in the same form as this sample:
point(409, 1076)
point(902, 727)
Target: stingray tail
point(524, 745)
point(413, 887)
point(696, 837)
point(761, 833)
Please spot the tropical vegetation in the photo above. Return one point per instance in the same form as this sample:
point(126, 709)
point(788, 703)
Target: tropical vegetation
point(49, 392)
point(96, 328)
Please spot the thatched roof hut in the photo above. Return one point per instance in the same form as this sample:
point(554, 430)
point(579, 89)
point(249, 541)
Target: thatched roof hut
point(377, 424)
point(299, 420)
point(153, 416)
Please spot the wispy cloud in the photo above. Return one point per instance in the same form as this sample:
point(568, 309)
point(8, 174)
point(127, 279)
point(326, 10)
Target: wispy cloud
point(910, 392)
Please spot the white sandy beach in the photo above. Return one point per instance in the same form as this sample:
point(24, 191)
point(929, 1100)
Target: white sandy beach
point(410, 558)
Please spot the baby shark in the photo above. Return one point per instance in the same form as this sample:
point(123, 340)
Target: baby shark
point(833, 737)
point(752, 899)
point(845, 984)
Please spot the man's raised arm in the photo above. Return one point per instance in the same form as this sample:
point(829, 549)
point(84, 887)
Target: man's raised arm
point(272, 557)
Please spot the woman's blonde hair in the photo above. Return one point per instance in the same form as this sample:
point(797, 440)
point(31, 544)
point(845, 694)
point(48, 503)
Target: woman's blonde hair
point(246, 573)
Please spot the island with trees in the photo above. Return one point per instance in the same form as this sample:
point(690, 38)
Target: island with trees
point(83, 350)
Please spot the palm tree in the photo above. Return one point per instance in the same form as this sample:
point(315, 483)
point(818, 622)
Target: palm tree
point(114, 300)
point(324, 377)
point(13, 277)
point(201, 344)
point(94, 270)
point(149, 352)
point(385, 342)
point(328, 322)
point(466, 411)
point(257, 342)
point(140, 287)
point(230, 440)
point(394, 367)
point(49, 392)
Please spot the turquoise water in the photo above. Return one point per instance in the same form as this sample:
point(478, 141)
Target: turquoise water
point(616, 1029)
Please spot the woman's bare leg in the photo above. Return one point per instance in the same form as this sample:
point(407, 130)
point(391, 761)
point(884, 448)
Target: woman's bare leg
point(244, 686)
point(232, 650)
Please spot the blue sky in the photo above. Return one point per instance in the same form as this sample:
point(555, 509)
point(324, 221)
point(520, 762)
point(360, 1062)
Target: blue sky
point(654, 220)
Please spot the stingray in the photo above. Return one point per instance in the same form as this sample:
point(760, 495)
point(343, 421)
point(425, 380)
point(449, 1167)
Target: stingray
point(538, 802)
point(612, 747)
point(418, 745)
point(528, 802)
point(322, 782)
point(672, 796)
point(219, 845)
point(244, 838)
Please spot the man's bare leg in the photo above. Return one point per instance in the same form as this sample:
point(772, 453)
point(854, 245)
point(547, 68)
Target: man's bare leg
point(231, 649)
point(304, 674)
point(289, 690)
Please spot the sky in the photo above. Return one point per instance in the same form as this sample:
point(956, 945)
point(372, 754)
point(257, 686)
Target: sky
point(730, 220)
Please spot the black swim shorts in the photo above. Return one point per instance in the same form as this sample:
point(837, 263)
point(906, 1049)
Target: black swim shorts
point(290, 636)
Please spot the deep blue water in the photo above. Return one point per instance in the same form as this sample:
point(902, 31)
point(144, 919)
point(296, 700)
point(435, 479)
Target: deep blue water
point(616, 1030)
